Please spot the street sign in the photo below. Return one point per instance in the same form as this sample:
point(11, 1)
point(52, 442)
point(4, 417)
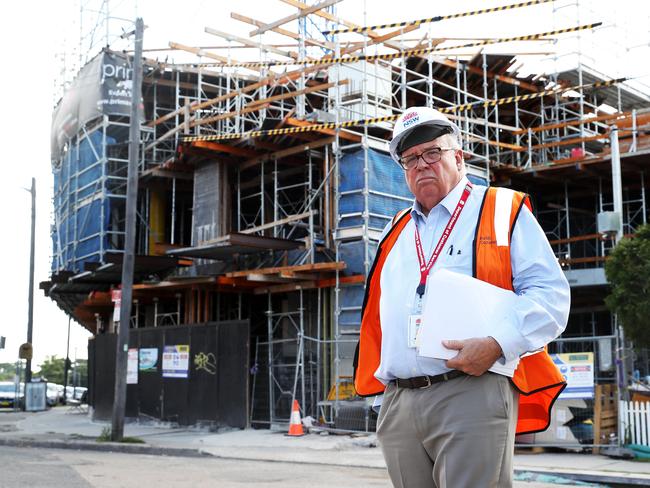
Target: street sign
point(116, 297)
point(25, 351)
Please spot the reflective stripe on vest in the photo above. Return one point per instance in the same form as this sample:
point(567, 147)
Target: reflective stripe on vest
point(536, 378)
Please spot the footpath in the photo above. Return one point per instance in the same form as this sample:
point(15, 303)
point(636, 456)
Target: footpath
point(65, 428)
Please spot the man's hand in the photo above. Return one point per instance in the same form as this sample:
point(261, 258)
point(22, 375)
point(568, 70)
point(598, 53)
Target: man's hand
point(475, 355)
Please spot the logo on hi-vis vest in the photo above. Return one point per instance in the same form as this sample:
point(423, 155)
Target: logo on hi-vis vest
point(486, 240)
point(410, 119)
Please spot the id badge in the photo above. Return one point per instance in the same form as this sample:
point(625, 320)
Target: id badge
point(415, 321)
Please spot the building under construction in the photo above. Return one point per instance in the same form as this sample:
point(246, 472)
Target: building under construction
point(264, 188)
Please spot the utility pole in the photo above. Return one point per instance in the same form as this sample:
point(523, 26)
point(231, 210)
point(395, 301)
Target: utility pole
point(66, 368)
point(119, 401)
point(30, 311)
point(617, 194)
point(617, 185)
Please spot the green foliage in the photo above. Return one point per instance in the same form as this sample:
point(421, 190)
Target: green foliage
point(7, 371)
point(105, 436)
point(628, 272)
point(53, 369)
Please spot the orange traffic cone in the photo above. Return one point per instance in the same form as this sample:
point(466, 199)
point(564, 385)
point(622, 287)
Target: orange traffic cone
point(295, 424)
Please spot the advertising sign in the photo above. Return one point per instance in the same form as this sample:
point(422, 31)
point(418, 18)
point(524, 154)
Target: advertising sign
point(102, 87)
point(148, 357)
point(578, 370)
point(132, 367)
point(176, 361)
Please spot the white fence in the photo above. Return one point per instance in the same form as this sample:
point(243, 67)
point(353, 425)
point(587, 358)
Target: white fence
point(635, 422)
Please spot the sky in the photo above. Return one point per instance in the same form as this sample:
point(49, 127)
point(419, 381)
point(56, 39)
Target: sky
point(39, 43)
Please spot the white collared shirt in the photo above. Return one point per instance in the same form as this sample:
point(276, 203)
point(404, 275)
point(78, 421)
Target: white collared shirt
point(539, 316)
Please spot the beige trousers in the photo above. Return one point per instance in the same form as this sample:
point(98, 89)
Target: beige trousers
point(454, 434)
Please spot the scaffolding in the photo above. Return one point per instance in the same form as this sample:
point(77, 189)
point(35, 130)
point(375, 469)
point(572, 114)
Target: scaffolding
point(270, 184)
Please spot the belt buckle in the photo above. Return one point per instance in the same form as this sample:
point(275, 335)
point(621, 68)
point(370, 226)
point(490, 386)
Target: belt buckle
point(428, 383)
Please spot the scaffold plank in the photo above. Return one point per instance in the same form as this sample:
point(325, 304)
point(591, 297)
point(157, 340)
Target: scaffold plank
point(227, 115)
point(321, 267)
point(272, 78)
point(296, 93)
point(381, 39)
point(565, 142)
point(287, 152)
point(571, 123)
point(250, 43)
point(302, 13)
point(226, 148)
point(311, 284)
point(199, 52)
point(278, 30)
point(586, 237)
point(270, 225)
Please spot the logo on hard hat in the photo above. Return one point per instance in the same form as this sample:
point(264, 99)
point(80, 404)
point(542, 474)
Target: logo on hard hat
point(410, 119)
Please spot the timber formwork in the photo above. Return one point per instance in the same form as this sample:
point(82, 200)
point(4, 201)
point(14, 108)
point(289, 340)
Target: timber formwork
point(260, 200)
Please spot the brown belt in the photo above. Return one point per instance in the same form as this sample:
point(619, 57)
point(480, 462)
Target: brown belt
point(427, 381)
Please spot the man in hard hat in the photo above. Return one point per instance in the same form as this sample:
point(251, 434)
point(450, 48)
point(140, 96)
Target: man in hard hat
point(451, 424)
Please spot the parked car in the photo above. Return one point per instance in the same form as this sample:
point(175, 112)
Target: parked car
point(8, 394)
point(54, 394)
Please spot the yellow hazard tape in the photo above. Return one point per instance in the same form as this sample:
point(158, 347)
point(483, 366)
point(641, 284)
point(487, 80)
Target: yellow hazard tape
point(399, 54)
point(455, 109)
point(437, 18)
point(528, 37)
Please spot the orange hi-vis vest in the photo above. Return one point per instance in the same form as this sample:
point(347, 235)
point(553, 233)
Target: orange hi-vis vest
point(537, 379)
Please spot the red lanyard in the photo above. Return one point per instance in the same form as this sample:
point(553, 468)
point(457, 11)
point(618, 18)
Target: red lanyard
point(426, 267)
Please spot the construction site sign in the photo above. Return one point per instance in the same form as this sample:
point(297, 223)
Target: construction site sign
point(132, 367)
point(578, 371)
point(176, 361)
point(102, 87)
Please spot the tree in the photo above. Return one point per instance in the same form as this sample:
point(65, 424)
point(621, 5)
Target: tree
point(52, 369)
point(628, 272)
point(7, 371)
point(79, 373)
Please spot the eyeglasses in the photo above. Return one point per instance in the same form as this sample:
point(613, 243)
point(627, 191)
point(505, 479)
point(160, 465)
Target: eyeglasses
point(430, 156)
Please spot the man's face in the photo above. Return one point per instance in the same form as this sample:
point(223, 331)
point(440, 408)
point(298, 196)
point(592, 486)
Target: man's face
point(430, 183)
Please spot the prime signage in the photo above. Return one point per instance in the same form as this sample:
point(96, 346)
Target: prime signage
point(102, 87)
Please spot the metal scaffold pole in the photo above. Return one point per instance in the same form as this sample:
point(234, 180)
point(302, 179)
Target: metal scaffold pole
point(119, 403)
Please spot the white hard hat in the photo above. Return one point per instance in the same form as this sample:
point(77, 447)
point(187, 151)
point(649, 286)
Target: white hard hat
point(415, 117)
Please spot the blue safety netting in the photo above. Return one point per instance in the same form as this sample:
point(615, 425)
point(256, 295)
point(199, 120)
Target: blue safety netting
point(384, 176)
point(353, 253)
point(350, 301)
point(387, 189)
point(477, 180)
point(387, 178)
point(79, 231)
